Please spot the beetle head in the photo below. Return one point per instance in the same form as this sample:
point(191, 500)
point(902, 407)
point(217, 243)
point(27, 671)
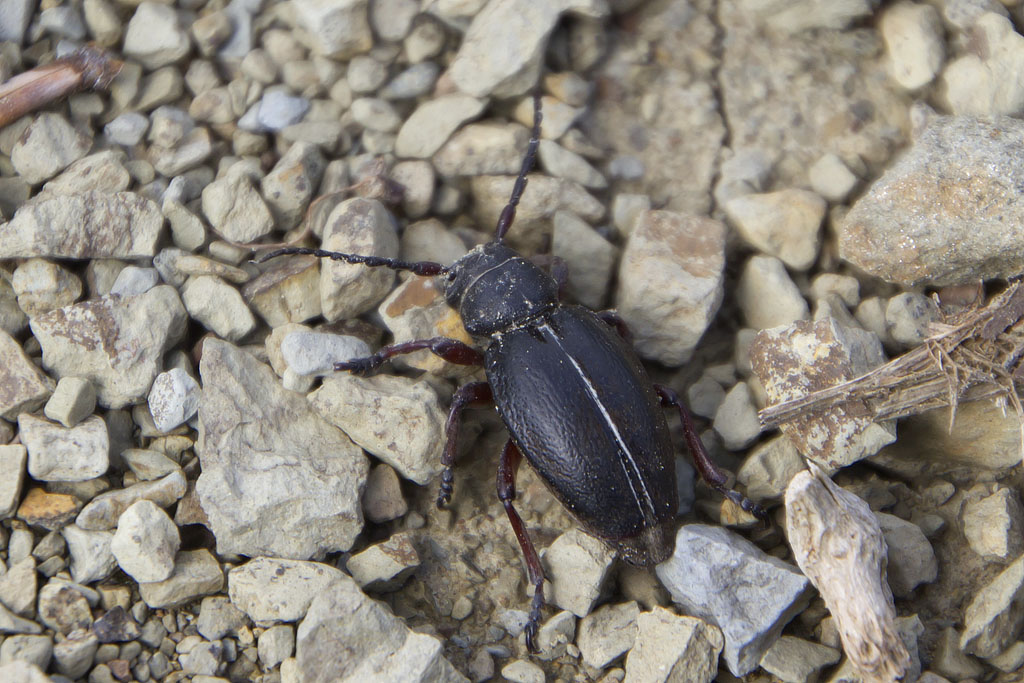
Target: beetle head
point(493, 288)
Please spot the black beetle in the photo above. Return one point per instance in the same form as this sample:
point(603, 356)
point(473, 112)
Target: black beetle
point(574, 396)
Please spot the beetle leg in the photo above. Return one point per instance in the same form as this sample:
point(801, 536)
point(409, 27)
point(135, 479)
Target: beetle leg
point(709, 472)
point(507, 467)
point(560, 271)
point(615, 320)
point(467, 395)
point(451, 350)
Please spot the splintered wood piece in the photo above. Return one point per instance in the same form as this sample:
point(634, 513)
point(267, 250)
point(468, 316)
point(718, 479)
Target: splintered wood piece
point(88, 67)
point(839, 546)
point(975, 354)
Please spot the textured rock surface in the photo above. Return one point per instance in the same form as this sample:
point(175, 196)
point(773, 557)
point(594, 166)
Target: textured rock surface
point(291, 492)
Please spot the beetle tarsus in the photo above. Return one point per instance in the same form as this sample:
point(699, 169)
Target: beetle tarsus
point(363, 367)
point(533, 623)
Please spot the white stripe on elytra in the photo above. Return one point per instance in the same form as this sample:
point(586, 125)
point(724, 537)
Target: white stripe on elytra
point(611, 423)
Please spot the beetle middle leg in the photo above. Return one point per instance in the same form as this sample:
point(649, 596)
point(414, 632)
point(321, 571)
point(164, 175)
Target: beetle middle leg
point(451, 350)
point(507, 467)
point(473, 393)
point(709, 472)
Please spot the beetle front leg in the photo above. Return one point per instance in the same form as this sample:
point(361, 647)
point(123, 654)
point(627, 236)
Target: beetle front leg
point(451, 350)
point(467, 395)
point(613, 319)
point(709, 472)
point(507, 467)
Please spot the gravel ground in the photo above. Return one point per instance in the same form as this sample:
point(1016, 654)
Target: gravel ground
point(775, 196)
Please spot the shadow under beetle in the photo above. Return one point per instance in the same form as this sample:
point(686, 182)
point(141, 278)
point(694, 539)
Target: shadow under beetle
point(570, 389)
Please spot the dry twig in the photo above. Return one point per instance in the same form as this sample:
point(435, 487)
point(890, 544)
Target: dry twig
point(976, 354)
point(85, 68)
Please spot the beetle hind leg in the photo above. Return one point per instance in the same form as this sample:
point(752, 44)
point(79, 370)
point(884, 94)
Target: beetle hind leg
point(507, 467)
point(709, 472)
point(467, 395)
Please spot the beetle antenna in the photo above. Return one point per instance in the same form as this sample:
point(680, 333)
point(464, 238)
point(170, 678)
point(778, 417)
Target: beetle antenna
point(508, 214)
point(425, 268)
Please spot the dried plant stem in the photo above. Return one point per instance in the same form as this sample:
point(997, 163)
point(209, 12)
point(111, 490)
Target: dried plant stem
point(976, 355)
point(87, 67)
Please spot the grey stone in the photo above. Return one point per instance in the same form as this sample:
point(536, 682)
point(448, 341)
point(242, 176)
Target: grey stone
point(18, 587)
point(994, 525)
point(103, 511)
point(12, 319)
point(430, 126)
point(174, 399)
point(275, 112)
point(729, 581)
point(14, 20)
point(487, 148)
point(804, 357)
point(154, 37)
point(908, 317)
point(91, 559)
point(13, 459)
point(47, 147)
point(563, 163)
point(784, 224)
point(382, 500)
point(173, 157)
point(235, 209)
point(911, 558)
point(103, 171)
point(187, 229)
point(202, 660)
point(346, 636)
point(769, 467)
point(127, 129)
point(522, 671)
point(275, 645)
point(831, 178)
point(376, 114)
point(271, 590)
point(415, 81)
point(72, 401)
point(116, 626)
point(292, 490)
point(994, 618)
point(671, 283)
point(396, 419)
point(607, 633)
point(218, 306)
point(292, 182)
point(501, 51)
point(145, 542)
point(950, 660)
point(133, 280)
point(74, 655)
point(798, 660)
point(287, 292)
point(385, 566)
point(357, 226)
point(736, 418)
point(218, 617)
point(12, 623)
point(914, 226)
point(85, 225)
point(767, 295)
point(315, 353)
point(37, 650)
point(196, 573)
point(552, 637)
point(42, 286)
point(803, 15)
point(590, 258)
point(23, 387)
point(63, 608)
point(392, 19)
point(577, 565)
point(670, 648)
point(982, 84)
point(176, 266)
point(57, 453)
point(339, 29)
point(913, 36)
